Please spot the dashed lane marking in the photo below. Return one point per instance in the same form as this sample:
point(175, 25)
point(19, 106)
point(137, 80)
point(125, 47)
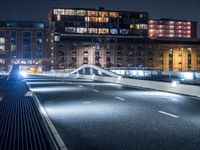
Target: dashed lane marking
point(122, 99)
point(168, 114)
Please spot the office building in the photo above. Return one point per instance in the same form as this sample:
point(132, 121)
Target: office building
point(24, 42)
point(101, 37)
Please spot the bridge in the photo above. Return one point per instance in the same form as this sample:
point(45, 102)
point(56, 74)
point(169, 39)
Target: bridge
point(91, 108)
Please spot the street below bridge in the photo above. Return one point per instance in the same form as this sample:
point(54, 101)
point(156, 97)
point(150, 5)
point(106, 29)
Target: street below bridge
point(91, 115)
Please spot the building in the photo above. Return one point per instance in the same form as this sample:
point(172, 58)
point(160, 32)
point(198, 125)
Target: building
point(26, 43)
point(106, 38)
point(101, 37)
point(175, 55)
point(170, 28)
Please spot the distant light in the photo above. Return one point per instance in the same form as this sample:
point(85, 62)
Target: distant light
point(23, 74)
point(140, 73)
point(93, 76)
point(99, 72)
point(187, 75)
point(174, 83)
point(77, 75)
point(119, 77)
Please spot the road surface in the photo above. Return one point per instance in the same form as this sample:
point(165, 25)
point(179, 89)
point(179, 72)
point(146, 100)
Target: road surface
point(92, 115)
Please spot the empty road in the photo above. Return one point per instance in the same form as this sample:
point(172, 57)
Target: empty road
point(92, 115)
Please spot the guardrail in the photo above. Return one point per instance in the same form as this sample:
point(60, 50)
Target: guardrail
point(156, 69)
point(155, 85)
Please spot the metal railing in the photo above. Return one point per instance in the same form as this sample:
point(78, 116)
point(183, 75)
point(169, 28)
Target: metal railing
point(156, 69)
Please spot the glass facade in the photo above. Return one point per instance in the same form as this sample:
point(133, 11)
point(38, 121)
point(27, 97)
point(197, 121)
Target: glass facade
point(39, 41)
point(100, 22)
point(22, 24)
point(26, 45)
point(13, 44)
point(2, 47)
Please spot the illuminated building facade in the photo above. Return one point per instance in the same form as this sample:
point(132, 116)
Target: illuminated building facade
point(101, 37)
point(169, 28)
point(120, 39)
point(175, 55)
point(99, 22)
point(25, 43)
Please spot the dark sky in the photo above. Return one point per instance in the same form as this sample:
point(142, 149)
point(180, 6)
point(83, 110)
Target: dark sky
point(38, 9)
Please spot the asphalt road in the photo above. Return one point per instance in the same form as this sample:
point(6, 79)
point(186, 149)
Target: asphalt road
point(104, 116)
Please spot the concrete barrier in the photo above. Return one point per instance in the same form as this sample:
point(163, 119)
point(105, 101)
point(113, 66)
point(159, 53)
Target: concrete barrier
point(155, 85)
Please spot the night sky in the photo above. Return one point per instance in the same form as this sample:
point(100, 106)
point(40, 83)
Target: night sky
point(38, 9)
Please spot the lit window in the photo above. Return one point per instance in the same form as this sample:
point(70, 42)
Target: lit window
point(101, 19)
point(171, 35)
point(92, 13)
point(58, 17)
point(80, 12)
point(12, 47)
point(58, 11)
point(70, 29)
point(114, 14)
point(151, 21)
point(2, 40)
point(87, 19)
point(139, 26)
point(2, 61)
point(57, 38)
point(2, 47)
point(103, 31)
point(94, 19)
point(188, 36)
point(70, 12)
point(113, 31)
point(81, 30)
point(92, 30)
point(103, 14)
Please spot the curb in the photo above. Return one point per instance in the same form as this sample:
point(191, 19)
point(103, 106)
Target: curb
point(54, 135)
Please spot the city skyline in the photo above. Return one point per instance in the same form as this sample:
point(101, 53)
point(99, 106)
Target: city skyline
point(38, 10)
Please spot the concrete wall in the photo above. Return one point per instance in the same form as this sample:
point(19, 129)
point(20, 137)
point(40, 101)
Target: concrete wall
point(179, 89)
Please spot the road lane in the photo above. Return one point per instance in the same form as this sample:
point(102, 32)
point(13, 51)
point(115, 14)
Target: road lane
point(96, 120)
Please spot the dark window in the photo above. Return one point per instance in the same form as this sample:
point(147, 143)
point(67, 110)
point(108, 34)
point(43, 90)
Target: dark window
point(26, 44)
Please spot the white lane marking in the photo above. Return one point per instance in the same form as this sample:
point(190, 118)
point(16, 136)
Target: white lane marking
point(95, 90)
point(80, 86)
point(168, 114)
point(69, 83)
point(87, 102)
point(122, 99)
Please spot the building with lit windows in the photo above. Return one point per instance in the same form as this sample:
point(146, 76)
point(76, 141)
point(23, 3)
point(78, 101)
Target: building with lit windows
point(175, 55)
point(122, 39)
point(99, 22)
point(26, 43)
point(170, 28)
point(97, 36)
point(106, 38)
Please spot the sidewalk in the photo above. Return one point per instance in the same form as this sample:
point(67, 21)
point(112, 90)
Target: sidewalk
point(21, 126)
